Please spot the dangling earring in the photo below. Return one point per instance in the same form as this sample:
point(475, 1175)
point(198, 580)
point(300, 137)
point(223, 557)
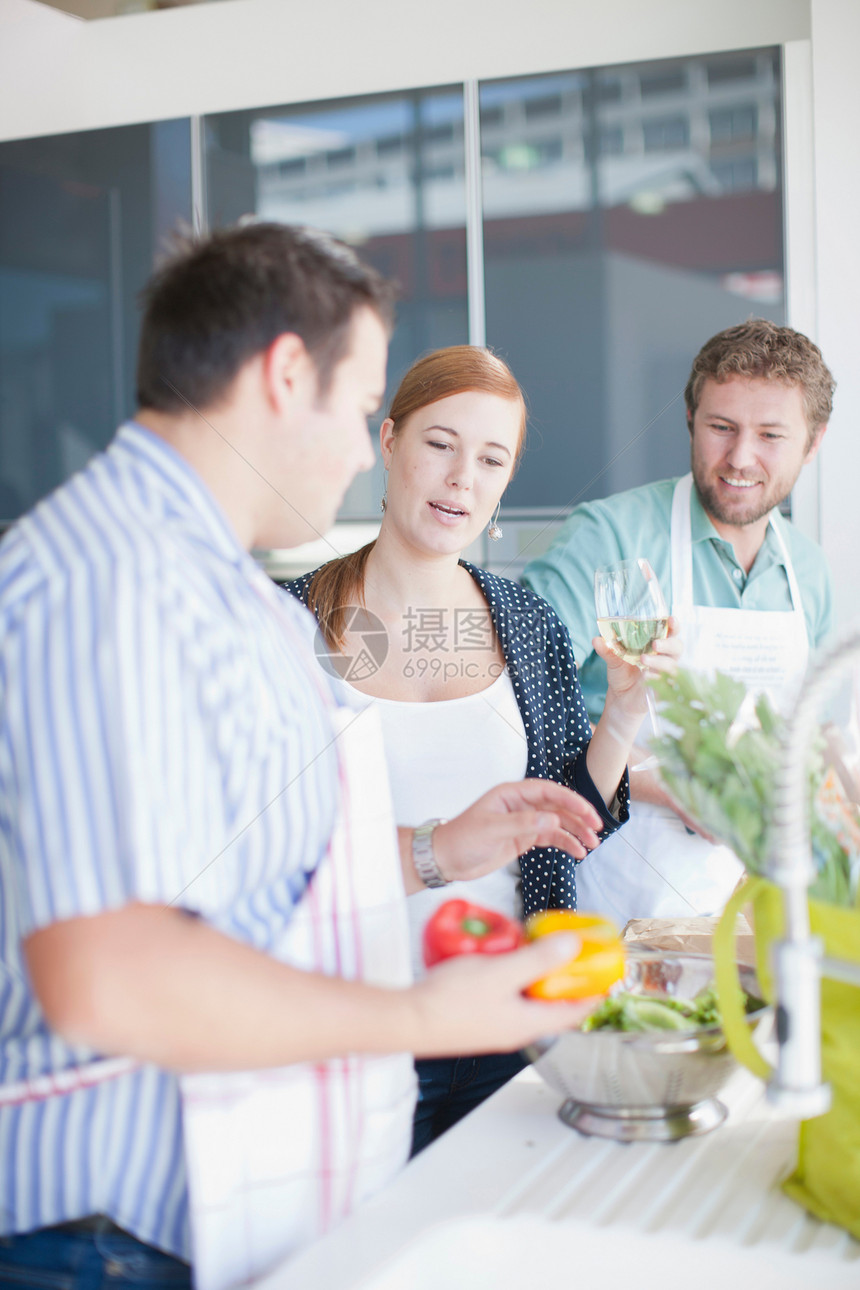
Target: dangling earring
point(384, 502)
point(494, 532)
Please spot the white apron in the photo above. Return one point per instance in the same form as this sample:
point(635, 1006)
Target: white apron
point(275, 1158)
point(653, 867)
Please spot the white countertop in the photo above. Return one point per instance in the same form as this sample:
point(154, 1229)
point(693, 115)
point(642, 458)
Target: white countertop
point(511, 1195)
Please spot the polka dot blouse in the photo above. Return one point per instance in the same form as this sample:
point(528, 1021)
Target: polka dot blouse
point(540, 662)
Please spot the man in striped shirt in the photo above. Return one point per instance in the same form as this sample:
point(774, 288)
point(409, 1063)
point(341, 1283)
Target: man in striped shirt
point(169, 779)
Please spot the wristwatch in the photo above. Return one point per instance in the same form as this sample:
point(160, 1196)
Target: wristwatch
point(422, 855)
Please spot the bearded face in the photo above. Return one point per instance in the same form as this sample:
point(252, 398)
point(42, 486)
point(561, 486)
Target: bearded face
point(750, 441)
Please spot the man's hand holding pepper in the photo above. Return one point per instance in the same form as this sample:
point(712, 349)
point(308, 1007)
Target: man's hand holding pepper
point(476, 1003)
point(460, 930)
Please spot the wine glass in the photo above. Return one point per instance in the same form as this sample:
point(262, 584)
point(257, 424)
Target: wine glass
point(631, 615)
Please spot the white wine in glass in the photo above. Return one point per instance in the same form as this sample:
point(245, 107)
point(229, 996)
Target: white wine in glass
point(631, 615)
point(632, 637)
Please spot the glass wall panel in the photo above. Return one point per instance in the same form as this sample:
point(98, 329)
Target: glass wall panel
point(629, 213)
point(386, 174)
point(82, 217)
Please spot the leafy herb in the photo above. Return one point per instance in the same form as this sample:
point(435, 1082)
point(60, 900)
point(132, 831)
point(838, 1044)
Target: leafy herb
point(718, 763)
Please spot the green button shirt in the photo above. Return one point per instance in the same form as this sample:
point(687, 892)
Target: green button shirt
point(638, 523)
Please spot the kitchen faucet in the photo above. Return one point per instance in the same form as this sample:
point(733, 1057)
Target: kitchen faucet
point(798, 958)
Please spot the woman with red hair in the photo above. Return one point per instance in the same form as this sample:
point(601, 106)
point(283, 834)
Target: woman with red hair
point(473, 676)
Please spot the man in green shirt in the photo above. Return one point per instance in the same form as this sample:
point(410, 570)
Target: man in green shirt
point(752, 595)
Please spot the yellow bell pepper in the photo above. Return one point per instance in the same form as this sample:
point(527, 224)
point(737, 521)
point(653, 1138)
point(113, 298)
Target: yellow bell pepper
point(597, 966)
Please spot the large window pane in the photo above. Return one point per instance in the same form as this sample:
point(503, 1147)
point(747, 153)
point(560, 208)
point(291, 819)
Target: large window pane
point(629, 213)
point(385, 174)
point(82, 217)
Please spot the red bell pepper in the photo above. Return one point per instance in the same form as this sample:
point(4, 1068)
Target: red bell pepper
point(459, 927)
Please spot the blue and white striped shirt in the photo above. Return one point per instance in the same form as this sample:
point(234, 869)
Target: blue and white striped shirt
point(164, 737)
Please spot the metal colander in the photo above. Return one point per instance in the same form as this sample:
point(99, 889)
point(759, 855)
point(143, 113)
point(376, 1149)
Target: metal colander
point(659, 1085)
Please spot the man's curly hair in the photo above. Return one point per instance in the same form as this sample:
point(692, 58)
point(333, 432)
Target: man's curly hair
point(759, 348)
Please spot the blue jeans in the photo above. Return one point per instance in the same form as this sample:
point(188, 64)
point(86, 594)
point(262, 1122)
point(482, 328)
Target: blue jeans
point(57, 1258)
point(451, 1087)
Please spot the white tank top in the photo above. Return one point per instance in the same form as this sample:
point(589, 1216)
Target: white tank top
point(441, 757)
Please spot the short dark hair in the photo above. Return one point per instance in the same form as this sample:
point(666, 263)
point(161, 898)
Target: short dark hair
point(760, 348)
point(220, 300)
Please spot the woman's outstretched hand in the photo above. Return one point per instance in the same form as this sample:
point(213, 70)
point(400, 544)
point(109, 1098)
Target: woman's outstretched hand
point(505, 823)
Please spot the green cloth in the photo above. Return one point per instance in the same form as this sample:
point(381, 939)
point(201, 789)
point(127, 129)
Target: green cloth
point(826, 1179)
point(637, 523)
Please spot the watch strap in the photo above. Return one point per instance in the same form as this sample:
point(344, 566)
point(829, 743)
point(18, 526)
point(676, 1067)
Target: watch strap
point(423, 856)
